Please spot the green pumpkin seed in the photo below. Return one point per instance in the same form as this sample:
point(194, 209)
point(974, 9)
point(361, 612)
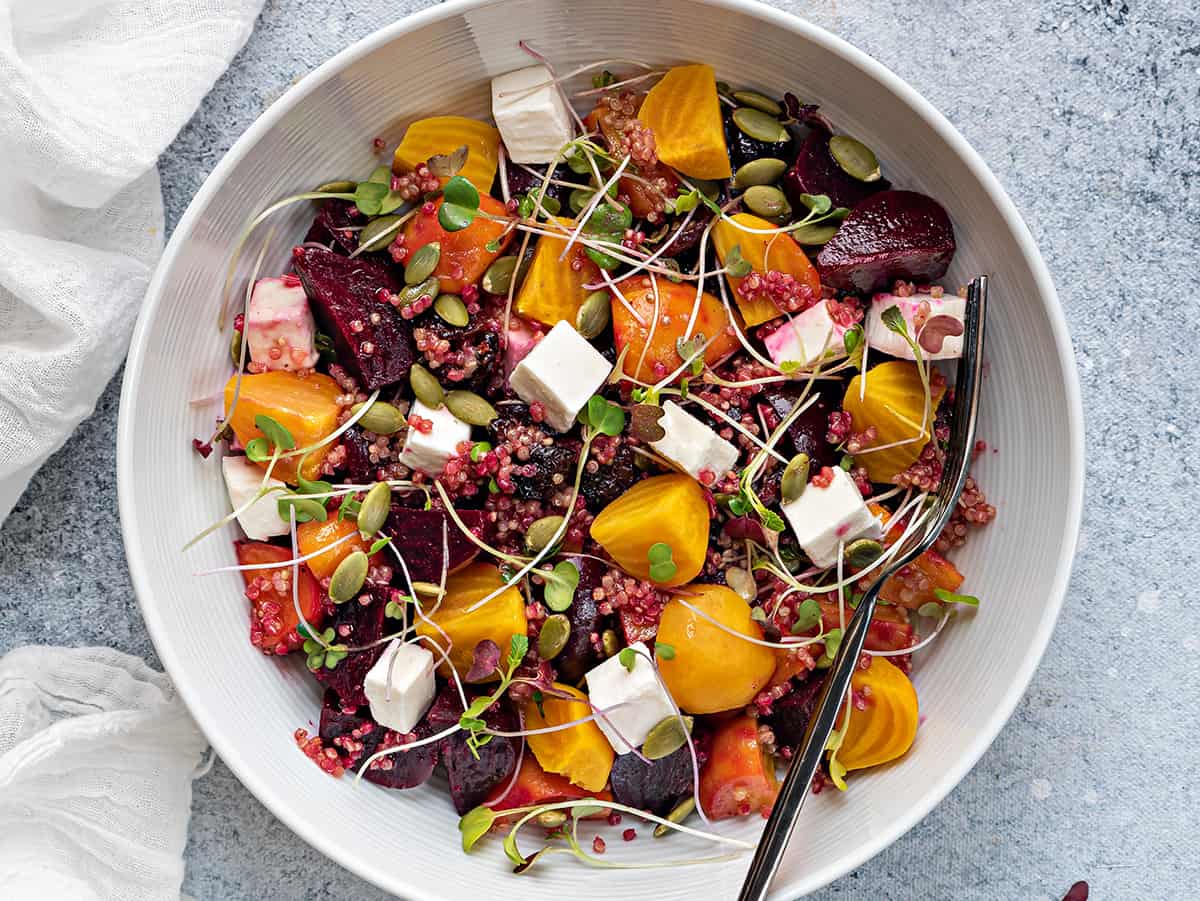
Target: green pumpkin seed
point(795, 478)
point(541, 532)
point(667, 737)
point(723, 87)
point(348, 578)
point(336, 187)
point(375, 509)
point(766, 201)
point(855, 158)
point(411, 293)
point(758, 125)
point(499, 275)
point(742, 582)
point(679, 814)
point(765, 170)
point(422, 263)
point(377, 229)
point(594, 314)
point(451, 309)
point(862, 553)
point(758, 101)
point(381, 418)
point(610, 643)
point(235, 349)
point(553, 637)
point(470, 407)
point(814, 235)
point(551, 819)
point(425, 386)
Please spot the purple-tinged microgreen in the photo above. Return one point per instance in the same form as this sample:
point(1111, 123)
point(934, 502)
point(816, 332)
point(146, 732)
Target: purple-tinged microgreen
point(472, 721)
point(485, 661)
point(478, 449)
point(662, 566)
point(460, 204)
point(664, 651)
point(447, 165)
point(949, 597)
point(808, 615)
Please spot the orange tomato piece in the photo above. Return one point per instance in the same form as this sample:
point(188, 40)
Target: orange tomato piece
point(764, 253)
point(893, 403)
point(305, 406)
point(739, 777)
point(553, 289)
point(581, 753)
point(313, 536)
point(499, 619)
point(886, 728)
point(685, 115)
point(464, 256)
point(445, 134)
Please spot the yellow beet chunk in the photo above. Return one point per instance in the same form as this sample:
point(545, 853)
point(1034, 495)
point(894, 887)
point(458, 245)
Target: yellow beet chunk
point(685, 115)
point(581, 753)
point(776, 252)
point(668, 509)
point(499, 619)
point(445, 134)
point(894, 404)
point(886, 728)
point(306, 407)
point(712, 670)
point(553, 288)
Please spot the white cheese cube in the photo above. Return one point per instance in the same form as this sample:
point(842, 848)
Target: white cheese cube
point(400, 686)
point(693, 446)
point(261, 520)
point(807, 337)
point(945, 346)
point(644, 702)
point(279, 330)
point(532, 117)
point(429, 451)
point(821, 518)
point(561, 373)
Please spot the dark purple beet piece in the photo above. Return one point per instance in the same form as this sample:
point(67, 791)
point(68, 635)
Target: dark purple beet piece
point(355, 624)
point(815, 171)
point(657, 787)
point(580, 655)
point(332, 226)
point(472, 779)
point(791, 713)
point(522, 182)
point(356, 736)
point(417, 535)
point(359, 468)
point(807, 432)
point(342, 293)
point(600, 488)
point(893, 235)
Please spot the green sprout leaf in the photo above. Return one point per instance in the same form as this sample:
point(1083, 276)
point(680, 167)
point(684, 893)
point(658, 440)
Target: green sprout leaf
point(379, 546)
point(603, 80)
point(258, 450)
point(518, 647)
point(894, 320)
point(395, 609)
point(478, 449)
point(787, 367)
point(807, 616)
point(933, 608)
point(561, 585)
point(307, 509)
point(949, 597)
point(628, 658)
point(474, 825)
point(369, 197)
point(454, 218)
point(603, 260)
point(602, 416)
point(666, 651)
point(852, 339)
point(460, 191)
point(735, 264)
point(349, 509)
point(317, 487)
point(662, 567)
point(685, 203)
point(819, 204)
point(276, 433)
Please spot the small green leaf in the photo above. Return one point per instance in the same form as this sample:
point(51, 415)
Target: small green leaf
point(666, 651)
point(453, 217)
point(369, 196)
point(560, 587)
point(518, 647)
point(307, 509)
point(949, 597)
point(807, 615)
point(603, 260)
point(478, 449)
point(660, 552)
point(833, 641)
point(258, 450)
point(628, 658)
point(603, 80)
point(685, 203)
point(349, 508)
point(525, 206)
point(894, 320)
point(846, 463)
point(735, 264)
point(474, 825)
point(772, 521)
point(279, 436)
point(663, 572)
point(379, 546)
point(461, 192)
point(318, 487)
point(933, 608)
point(819, 204)
point(852, 339)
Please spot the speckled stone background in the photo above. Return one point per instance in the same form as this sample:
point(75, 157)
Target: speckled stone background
point(1089, 112)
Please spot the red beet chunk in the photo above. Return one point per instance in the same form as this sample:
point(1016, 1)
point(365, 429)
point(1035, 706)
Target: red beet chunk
point(657, 786)
point(817, 172)
point(372, 340)
point(580, 654)
point(352, 732)
point(472, 778)
point(417, 535)
point(807, 432)
point(791, 713)
point(893, 235)
point(355, 624)
point(333, 226)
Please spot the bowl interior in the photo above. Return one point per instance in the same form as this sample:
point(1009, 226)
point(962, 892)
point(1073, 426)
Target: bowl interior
point(439, 62)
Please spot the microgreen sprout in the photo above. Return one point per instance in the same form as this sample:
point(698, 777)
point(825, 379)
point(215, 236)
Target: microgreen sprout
point(665, 651)
point(808, 615)
point(472, 721)
point(460, 204)
point(949, 597)
point(662, 567)
point(323, 653)
point(560, 589)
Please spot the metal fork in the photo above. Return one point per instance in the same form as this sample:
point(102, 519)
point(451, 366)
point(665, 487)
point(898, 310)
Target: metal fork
point(933, 519)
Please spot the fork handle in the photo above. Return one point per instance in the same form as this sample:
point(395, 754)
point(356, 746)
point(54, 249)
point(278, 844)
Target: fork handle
point(805, 763)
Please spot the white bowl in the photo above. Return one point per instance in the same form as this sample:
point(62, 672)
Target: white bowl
point(439, 61)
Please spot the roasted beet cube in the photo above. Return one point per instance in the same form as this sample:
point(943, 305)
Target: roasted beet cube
point(356, 623)
point(656, 787)
point(807, 432)
point(359, 468)
point(418, 536)
point(815, 171)
point(352, 732)
point(791, 713)
point(580, 653)
point(335, 226)
point(472, 778)
point(372, 340)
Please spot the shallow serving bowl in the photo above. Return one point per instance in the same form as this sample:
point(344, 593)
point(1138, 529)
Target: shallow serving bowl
point(249, 705)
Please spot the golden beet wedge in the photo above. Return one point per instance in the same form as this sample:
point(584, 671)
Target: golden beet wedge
point(442, 135)
point(581, 753)
point(764, 253)
point(553, 289)
point(894, 404)
point(685, 115)
point(885, 729)
point(499, 619)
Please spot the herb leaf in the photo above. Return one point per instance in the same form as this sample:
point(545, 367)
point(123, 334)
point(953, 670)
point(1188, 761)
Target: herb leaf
point(949, 597)
point(628, 658)
point(894, 320)
point(474, 825)
point(461, 192)
point(807, 616)
point(276, 433)
point(560, 586)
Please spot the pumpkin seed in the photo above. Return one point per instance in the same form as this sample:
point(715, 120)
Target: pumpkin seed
point(723, 87)
point(428, 589)
point(765, 170)
point(499, 275)
point(381, 418)
point(862, 553)
point(541, 532)
point(411, 293)
point(667, 737)
point(813, 235)
point(855, 158)
point(594, 314)
point(551, 819)
point(758, 101)
point(377, 228)
point(336, 187)
point(470, 407)
point(425, 386)
point(759, 125)
point(235, 349)
point(766, 201)
point(741, 582)
point(795, 478)
point(450, 308)
point(348, 578)
point(375, 509)
point(553, 637)
point(610, 643)
point(681, 812)
point(422, 263)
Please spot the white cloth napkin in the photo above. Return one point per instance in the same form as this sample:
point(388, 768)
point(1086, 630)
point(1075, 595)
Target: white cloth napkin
point(91, 91)
point(97, 756)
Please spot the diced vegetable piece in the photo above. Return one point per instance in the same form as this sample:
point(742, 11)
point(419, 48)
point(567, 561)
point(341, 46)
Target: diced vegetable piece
point(499, 619)
point(633, 523)
point(313, 536)
point(764, 253)
point(712, 670)
point(915, 584)
point(553, 288)
point(464, 255)
point(649, 192)
point(652, 353)
point(739, 777)
point(885, 729)
point(893, 404)
point(273, 620)
point(685, 115)
point(445, 134)
point(279, 330)
point(535, 786)
point(581, 752)
point(532, 115)
point(306, 407)
point(890, 629)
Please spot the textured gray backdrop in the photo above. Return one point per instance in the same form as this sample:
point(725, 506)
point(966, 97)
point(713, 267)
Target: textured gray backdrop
point(1088, 111)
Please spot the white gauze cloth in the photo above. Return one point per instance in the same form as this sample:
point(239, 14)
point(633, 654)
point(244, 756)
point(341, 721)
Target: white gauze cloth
point(91, 91)
point(97, 756)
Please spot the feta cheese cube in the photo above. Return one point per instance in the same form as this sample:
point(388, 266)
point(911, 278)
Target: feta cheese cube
point(644, 702)
point(400, 686)
point(561, 373)
point(880, 337)
point(821, 518)
point(261, 520)
point(693, 446)
point(279, 330)
point(533, 121)
point(429, 451)
point(807, 337)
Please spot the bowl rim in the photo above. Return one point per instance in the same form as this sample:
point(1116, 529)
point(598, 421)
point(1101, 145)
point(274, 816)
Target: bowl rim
point(246, 771)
